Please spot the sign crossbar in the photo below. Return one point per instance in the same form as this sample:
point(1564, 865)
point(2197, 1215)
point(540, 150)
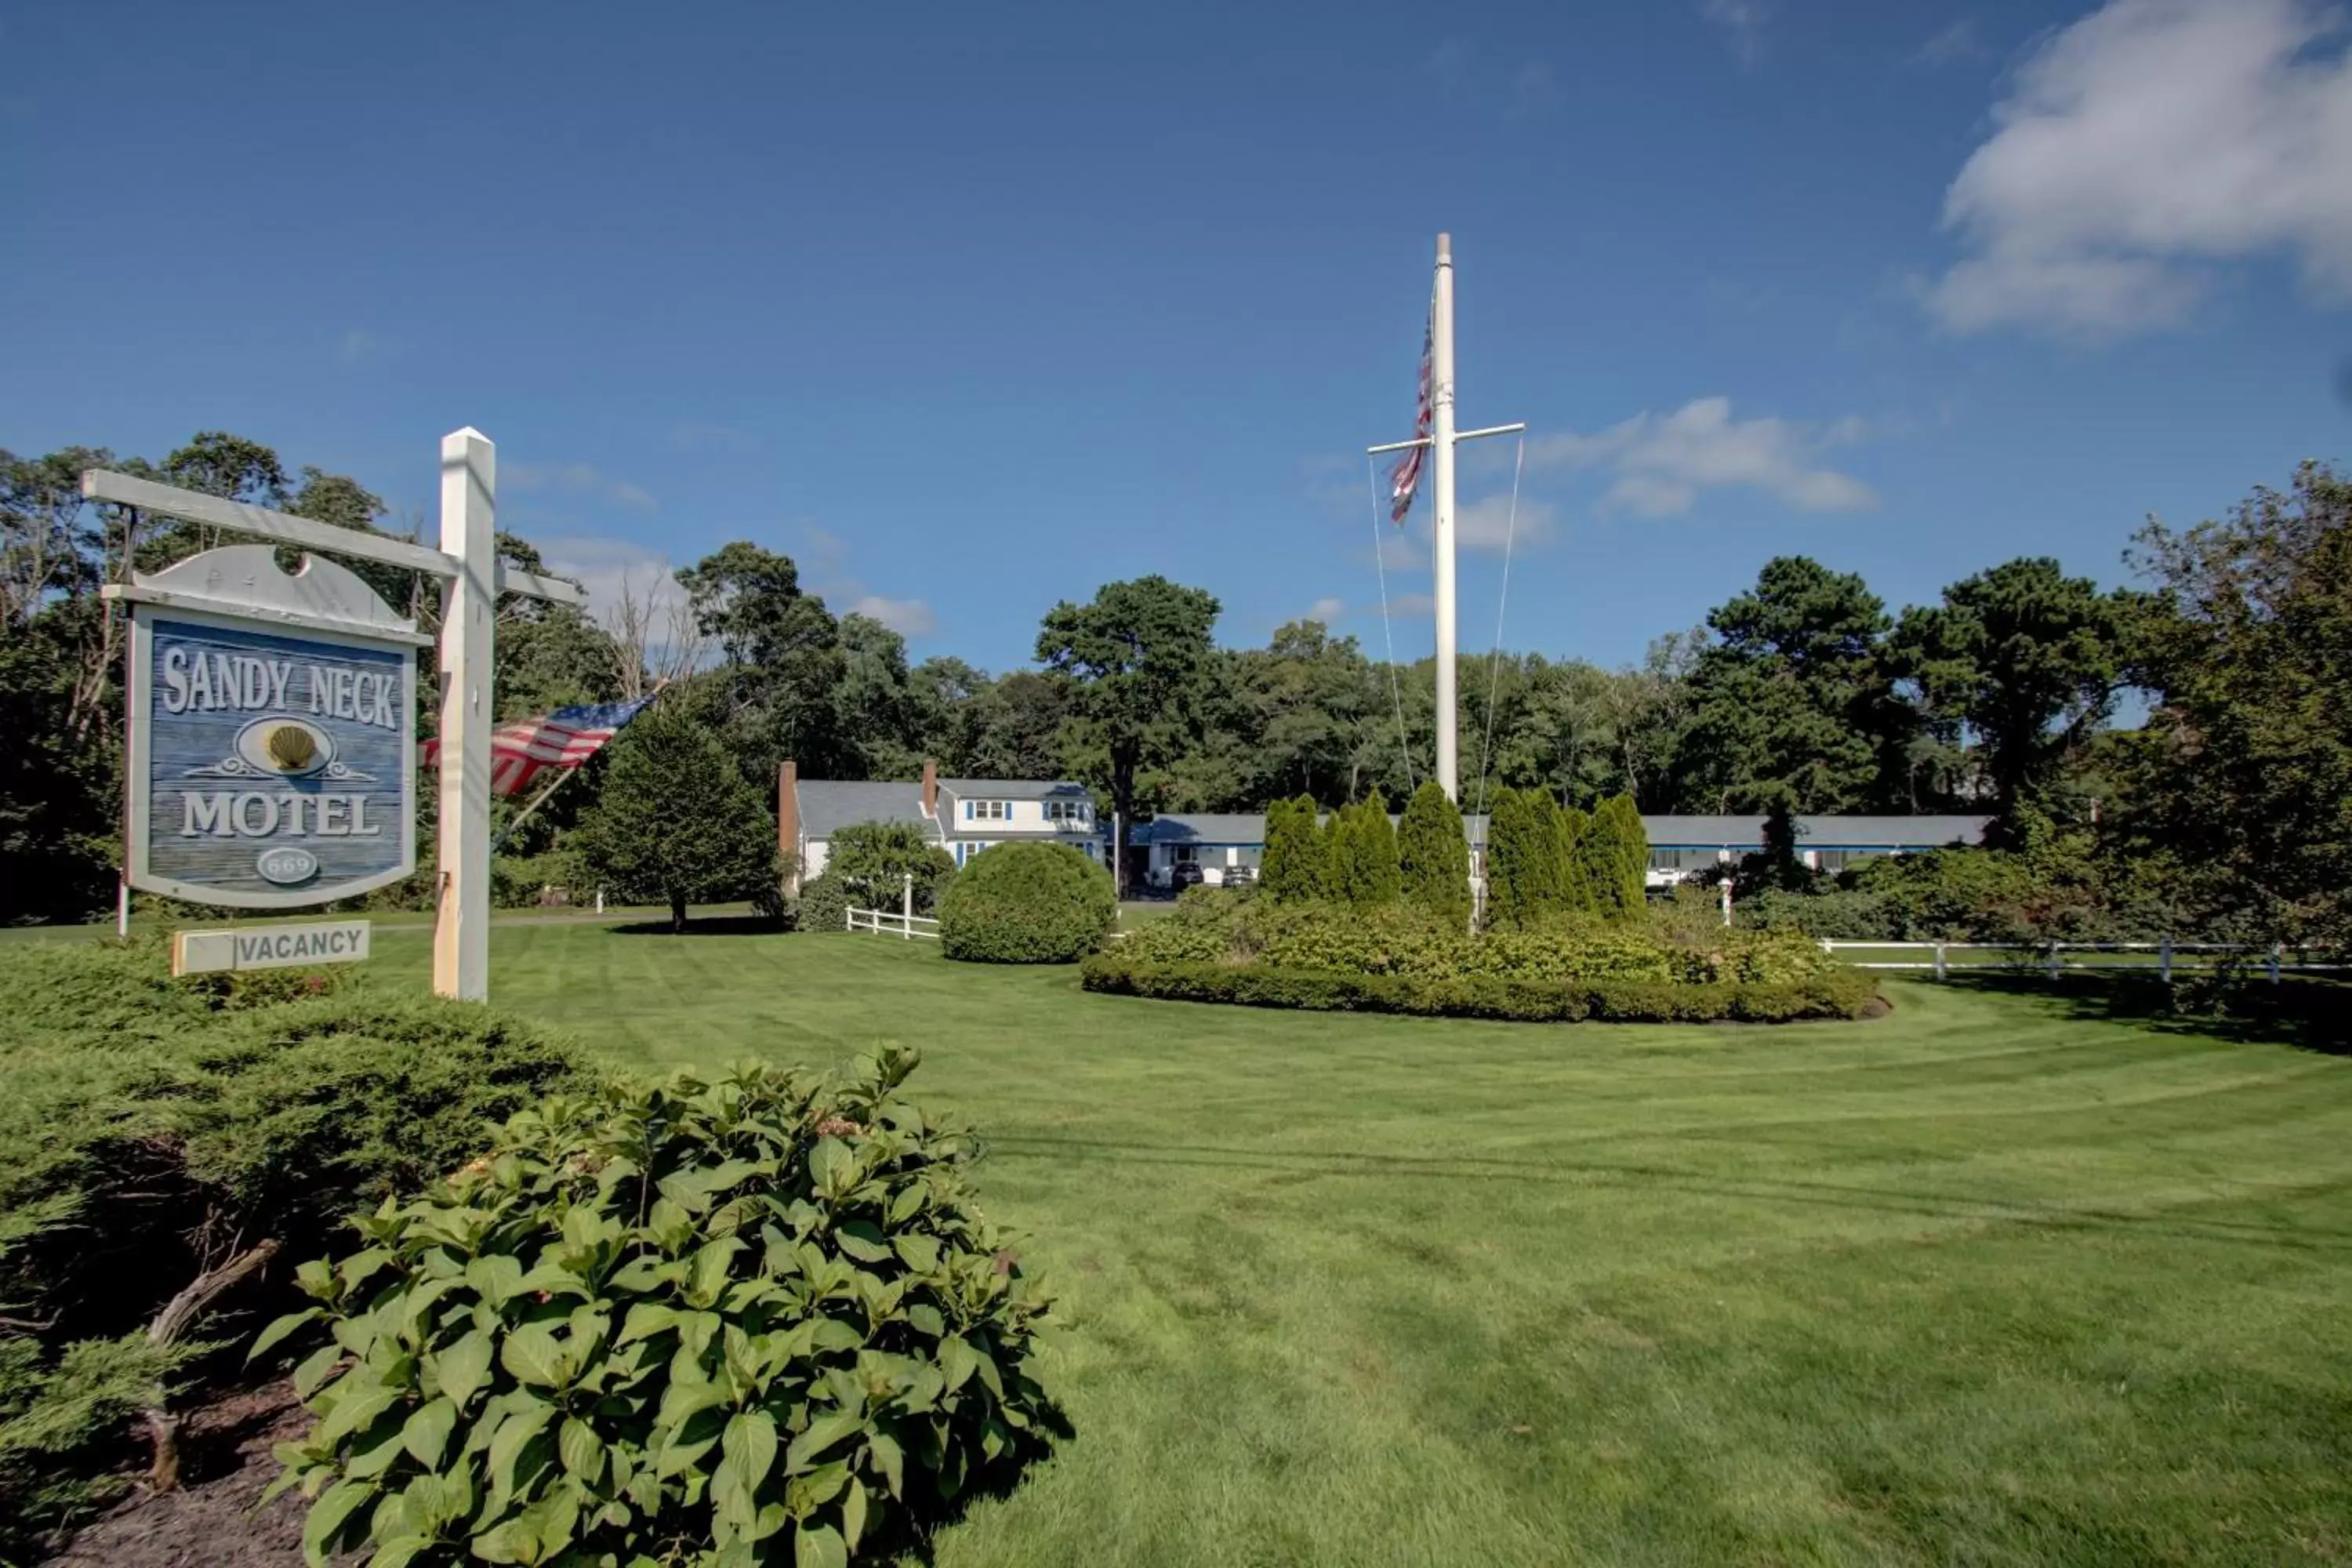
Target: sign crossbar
point(195, 506)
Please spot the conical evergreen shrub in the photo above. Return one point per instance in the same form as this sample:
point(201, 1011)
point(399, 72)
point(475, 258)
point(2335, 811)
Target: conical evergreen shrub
point(1433, 855)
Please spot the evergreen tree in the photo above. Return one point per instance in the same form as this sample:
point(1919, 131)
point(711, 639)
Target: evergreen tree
point(1288, 874)
point(1623, 861)
point(1573, 871)
point(1522, 849)
point(678, 822)
point(1433, 855)
point(1331, 839)
point(1365, 870)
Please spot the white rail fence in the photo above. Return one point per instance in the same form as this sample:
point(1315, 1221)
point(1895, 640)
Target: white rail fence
point(2052, 958)
point(893, 923)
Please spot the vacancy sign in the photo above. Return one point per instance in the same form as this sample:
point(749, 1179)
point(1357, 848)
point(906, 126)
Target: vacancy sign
point(269, 947)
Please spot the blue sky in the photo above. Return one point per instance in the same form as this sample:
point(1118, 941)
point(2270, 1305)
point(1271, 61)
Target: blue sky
point(971, 309)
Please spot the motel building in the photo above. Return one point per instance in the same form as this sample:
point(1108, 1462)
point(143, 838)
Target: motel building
point(964, 816)
point(1680, 846)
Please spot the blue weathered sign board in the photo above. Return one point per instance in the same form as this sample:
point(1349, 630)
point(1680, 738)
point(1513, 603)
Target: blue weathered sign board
point(269, 768)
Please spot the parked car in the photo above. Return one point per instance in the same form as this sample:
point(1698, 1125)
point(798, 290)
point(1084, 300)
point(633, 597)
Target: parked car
point(1241, 876)
point(1184, 874)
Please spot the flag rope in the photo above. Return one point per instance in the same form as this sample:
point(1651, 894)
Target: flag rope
point(1502, 601)
point(1388, 637)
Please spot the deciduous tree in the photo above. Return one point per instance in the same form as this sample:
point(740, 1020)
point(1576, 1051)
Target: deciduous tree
point(2242, 785)
point(1139, 654)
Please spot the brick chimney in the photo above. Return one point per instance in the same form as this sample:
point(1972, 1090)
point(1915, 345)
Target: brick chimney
point(930, 788)
point(788, 822)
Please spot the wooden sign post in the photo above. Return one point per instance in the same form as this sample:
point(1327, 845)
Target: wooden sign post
point(272, 735)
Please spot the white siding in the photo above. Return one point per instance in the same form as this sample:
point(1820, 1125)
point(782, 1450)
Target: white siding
point(1024, 819)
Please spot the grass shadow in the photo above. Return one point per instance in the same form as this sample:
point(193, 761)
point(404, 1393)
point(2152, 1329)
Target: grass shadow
point(707, 925)
point(912, 1535)
point(2304, 1011)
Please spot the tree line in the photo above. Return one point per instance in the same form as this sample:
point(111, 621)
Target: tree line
point(1803, 693)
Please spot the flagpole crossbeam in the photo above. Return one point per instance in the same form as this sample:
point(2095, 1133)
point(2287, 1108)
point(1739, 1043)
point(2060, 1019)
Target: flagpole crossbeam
point(1397, 447)
point(1462, 435)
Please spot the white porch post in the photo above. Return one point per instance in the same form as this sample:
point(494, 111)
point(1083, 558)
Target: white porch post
point(461, 934)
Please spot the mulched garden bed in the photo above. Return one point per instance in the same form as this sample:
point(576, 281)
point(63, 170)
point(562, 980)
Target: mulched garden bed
point(209, 1522)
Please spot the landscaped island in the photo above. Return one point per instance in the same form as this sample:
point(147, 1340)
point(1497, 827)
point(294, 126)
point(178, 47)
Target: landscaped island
point(1398, 960)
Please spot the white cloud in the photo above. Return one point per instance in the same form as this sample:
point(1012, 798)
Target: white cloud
point(1326, 610)
point(573, 479)
point(1412, 606)
point(1400, 553)
point(1535, 90)
point(1660, 463)
point(1486, 524)
point(1528, 90)
point(2143, 144)
point(605, 566)
point(908, 617)
point(1742, 21)
point(1955, 43)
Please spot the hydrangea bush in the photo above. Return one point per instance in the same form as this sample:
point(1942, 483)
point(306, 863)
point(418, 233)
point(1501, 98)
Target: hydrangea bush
point(750, 1321)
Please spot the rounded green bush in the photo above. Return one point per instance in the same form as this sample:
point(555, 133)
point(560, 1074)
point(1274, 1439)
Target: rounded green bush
point(760, 1319)
point(823, 906)
point(1027, 903)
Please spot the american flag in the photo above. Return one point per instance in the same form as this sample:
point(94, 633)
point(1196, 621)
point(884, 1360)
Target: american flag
point(1405, 477)
point(563, 739)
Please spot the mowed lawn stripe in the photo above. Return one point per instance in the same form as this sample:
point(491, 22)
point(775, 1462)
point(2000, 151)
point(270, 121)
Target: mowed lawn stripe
point(1986, 1280)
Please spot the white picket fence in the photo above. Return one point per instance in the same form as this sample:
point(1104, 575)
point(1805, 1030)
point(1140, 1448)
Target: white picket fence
point(892, 922)
point(2166, 958)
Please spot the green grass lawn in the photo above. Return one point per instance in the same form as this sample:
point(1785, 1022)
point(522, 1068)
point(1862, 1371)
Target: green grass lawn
point(1984, 1282)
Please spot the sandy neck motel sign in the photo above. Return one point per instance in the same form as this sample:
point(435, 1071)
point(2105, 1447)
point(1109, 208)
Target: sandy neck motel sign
point(272, 752)
point(273, 732)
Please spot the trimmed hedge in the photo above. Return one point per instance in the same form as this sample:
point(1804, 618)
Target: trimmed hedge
point(1845, 993)
point(1027, 903)
point(1561, 949)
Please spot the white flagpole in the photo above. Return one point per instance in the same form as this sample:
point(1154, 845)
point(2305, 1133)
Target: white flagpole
point(1441, 440)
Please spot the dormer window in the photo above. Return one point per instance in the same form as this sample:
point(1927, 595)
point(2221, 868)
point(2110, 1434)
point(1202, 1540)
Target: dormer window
point(1067, 810)
point(987, 810)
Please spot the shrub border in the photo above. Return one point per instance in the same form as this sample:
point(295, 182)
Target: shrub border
point(1847, 994)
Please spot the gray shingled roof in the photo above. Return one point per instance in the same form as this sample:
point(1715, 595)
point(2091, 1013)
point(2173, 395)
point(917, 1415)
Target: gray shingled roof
point(828, 805)
point(1201, 828)
point(1663, 831)
point(1012, 789)
point(1824, 832)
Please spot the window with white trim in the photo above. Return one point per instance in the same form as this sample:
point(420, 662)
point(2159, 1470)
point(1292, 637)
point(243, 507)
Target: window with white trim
point(987, 810)
point(1067, 810)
